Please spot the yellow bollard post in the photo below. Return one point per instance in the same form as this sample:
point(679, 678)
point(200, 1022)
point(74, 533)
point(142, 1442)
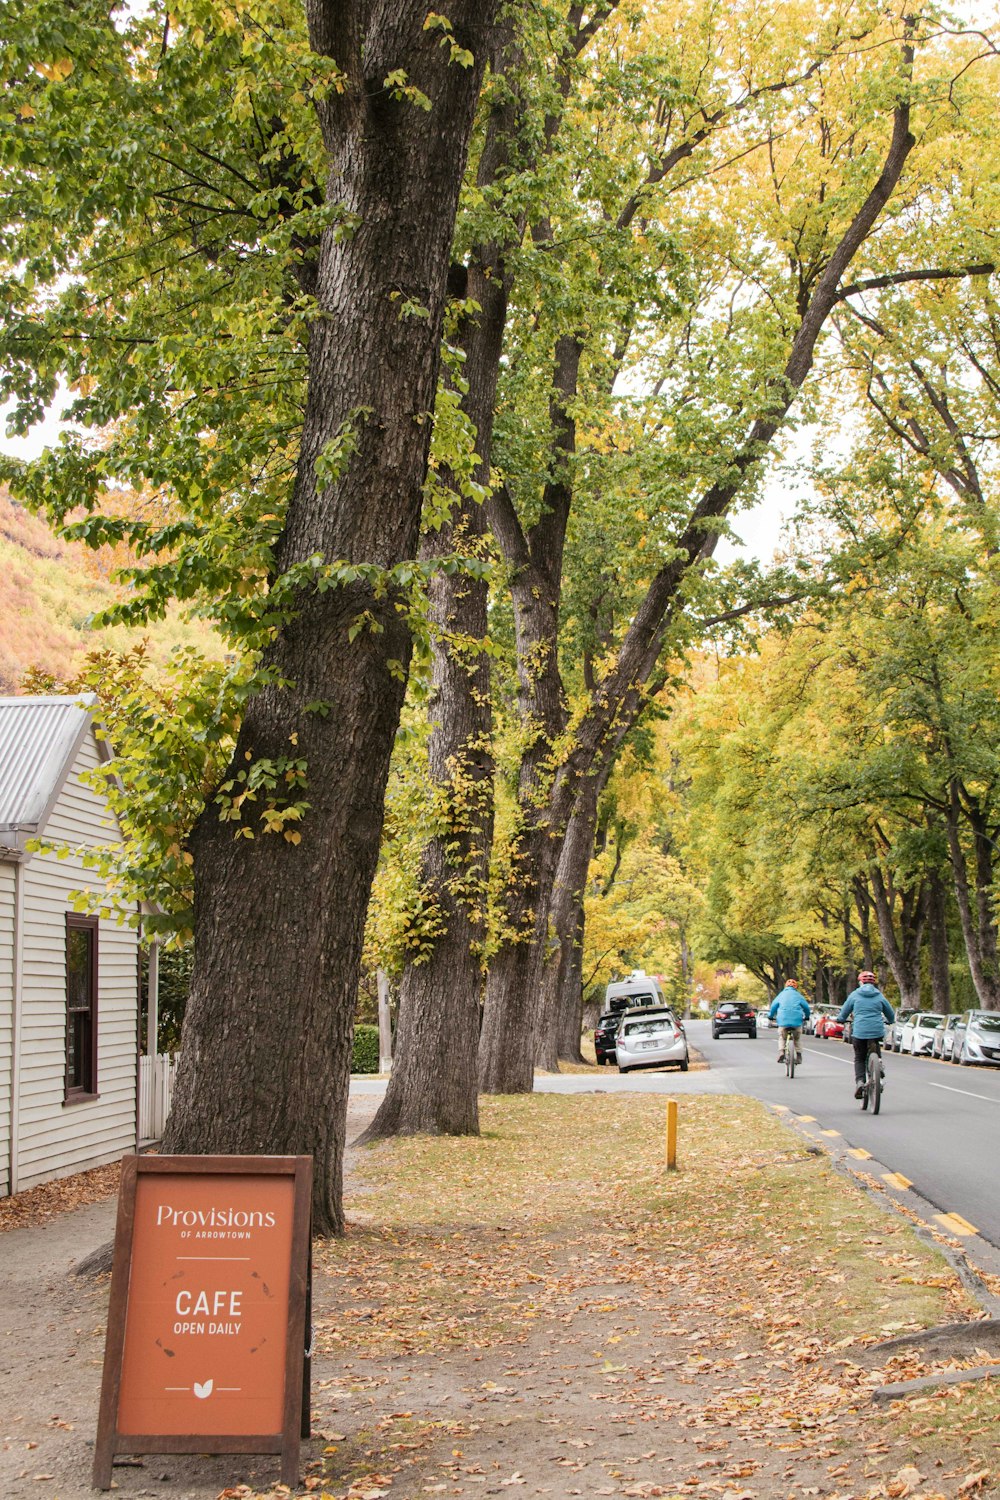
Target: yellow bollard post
point(672, 1133)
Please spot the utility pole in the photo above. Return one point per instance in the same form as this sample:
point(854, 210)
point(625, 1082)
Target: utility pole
point(384, 1023)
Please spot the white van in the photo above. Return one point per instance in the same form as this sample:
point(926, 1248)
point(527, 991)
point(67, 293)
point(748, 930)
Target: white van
point(638, 989)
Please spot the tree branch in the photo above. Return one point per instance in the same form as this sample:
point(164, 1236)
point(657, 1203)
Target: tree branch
point(899, 278)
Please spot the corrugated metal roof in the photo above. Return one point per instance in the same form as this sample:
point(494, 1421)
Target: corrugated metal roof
point(38, 738)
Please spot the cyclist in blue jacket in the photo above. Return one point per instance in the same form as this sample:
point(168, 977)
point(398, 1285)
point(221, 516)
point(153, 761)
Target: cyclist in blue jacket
point(790, 1008)
point(871, 1010)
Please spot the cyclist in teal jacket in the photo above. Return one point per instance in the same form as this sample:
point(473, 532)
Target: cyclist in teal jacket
point(871, 1010)
point(790, 1008)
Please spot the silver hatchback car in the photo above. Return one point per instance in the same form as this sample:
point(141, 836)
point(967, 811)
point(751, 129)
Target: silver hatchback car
point(977, 1038)
point(650, 1039)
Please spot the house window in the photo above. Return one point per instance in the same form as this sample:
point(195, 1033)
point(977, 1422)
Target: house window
point(81, 1007)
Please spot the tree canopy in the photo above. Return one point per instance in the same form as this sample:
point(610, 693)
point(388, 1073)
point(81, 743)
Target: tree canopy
point(469, 333)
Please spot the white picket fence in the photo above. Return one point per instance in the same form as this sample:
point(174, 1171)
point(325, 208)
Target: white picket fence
point(156, 1082)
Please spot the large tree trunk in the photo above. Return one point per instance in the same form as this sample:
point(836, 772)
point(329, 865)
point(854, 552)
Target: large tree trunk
point(506, 1052)
point(560, 998)
point(506, 1059)
point(863, 902)
point(278, 928)
point(902, 949)
point(974, 902)
point(686, 971)
point(847, 949)
point(434, 1082)
point(569, 1017)
point(432, 1086)
point(937, 931)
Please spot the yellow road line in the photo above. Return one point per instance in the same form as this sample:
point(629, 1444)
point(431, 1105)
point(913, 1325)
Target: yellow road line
point(829, 1132)
point(897, 1180)
point(860, 1153)
point(955, 1224)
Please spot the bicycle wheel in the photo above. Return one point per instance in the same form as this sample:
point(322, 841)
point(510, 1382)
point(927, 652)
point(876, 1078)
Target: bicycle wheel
point(790, 1058)
point(874, 1089)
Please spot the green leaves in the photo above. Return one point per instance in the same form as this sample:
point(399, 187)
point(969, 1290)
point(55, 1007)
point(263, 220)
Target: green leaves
point(338, 451)
point(172, 731)
point(460, 55)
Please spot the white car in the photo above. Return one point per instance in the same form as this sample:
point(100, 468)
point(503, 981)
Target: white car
point(944, 1039)
point(650, 1039)
point(894, 1030)
point(917, 1033)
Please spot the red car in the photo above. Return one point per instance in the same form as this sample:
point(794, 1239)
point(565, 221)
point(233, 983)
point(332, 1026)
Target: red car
point(828, 1026)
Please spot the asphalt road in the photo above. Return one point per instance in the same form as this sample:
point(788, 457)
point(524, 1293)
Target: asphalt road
point(939, 1124)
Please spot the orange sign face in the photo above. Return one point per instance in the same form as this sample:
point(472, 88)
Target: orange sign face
point(207, 1324)
point(207, 1320)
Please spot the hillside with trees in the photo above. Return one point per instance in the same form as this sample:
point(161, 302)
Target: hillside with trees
point(48, 593)
point(52, 594)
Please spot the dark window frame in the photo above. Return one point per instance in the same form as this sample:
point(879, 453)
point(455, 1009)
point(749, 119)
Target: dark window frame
point(76, 1093)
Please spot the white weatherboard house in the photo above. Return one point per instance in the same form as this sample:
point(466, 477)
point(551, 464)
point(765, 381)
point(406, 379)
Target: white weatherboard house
point(69, 1003)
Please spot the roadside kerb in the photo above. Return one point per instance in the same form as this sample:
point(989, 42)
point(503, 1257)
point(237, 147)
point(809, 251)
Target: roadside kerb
point(966, 1250)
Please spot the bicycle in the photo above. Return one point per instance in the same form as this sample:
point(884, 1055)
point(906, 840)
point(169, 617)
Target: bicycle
point(790, 1056)
point(871, 1089)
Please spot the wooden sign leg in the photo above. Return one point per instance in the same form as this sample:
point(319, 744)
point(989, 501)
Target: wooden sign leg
point(103, 1455)
point(290, 1461)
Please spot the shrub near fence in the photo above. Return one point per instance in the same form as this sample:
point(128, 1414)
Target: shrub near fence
point(364, 1058)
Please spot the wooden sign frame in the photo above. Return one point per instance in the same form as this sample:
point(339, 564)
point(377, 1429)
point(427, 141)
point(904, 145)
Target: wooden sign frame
point(296, 1397)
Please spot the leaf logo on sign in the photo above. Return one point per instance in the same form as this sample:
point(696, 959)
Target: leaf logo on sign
point(203, 1391)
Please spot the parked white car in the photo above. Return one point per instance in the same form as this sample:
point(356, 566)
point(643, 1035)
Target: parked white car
point(917, 1034)
point(894, 1031)
point(650, 1038)
point(944, 1039)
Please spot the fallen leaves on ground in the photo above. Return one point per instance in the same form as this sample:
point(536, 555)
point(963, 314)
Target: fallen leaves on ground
point(557, 1281)
point(39, 1204)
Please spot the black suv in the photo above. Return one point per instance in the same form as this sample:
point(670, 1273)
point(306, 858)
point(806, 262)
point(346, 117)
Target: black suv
point(734, 1015)
point(604, 1036)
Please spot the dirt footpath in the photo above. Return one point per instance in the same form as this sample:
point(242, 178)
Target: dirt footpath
point(553, 1334)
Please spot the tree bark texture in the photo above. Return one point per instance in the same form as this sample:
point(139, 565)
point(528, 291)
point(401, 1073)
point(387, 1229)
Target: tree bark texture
point(561, 998)
point(863, 902)
point(506, 1050)
point(570, 1013)
point(432, 1086)
point(686, 970)
point(265, 1058)
point(974, 898)
point(902, 948)
point(937, 933)
point(434, 1083)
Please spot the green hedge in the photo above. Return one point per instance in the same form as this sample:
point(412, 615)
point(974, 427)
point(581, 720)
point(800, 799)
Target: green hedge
point(364, 1058)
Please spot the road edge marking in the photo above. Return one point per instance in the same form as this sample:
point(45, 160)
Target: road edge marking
point(897, 1180)
point(955, 1224)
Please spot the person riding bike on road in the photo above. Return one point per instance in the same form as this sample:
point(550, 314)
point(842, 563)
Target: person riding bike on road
point(871, 1010)
point(790, 1008)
